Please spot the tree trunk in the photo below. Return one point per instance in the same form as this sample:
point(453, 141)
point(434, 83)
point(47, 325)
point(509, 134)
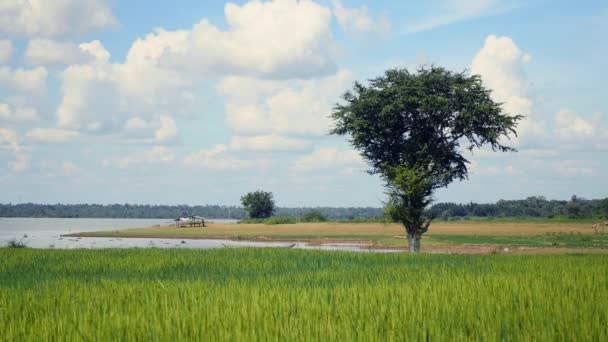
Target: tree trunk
point(413, 240)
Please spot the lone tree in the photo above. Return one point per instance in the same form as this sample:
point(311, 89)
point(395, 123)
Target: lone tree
point(409, 127)
point(258, 204)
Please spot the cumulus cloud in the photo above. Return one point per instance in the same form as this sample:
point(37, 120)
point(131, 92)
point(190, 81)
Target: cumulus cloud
point(6, 51)
point(217, 158)
point(569, 125)
point(31, 81)
point(51, 135)
point(49, 52)
point(274, 39)
point(162, 129)
point(17, 113)
point(156, 155)
point(500, 63)
point(45, 18)
point(358, 20)
point(11, 142)
point(579, 132)
point(268, 142)
point(100, 96)
point(328, 159)
point(263, 42)
point(167, 129)
point(255, 106)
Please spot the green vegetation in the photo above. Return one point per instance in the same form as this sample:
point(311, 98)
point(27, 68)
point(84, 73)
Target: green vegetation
point(409, 127)
point(544, 240)
point(535, 207)
point(531, 208)
point(314, 216)
point(271, 221)
point(276, 294)
point(258, 204)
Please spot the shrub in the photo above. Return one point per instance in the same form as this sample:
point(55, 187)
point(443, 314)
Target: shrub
point(270, 221)
point(314, 216)
point(280, 220)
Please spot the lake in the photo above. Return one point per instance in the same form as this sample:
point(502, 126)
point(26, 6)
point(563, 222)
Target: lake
point(46, 232)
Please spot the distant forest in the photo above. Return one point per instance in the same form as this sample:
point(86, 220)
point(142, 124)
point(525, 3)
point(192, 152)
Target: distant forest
point(531, 207)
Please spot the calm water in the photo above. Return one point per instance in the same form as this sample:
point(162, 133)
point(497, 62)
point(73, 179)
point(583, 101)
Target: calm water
point(46, 233)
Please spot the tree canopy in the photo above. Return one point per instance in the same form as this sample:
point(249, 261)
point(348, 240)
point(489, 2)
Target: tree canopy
point(413, 128)
point(259, 204)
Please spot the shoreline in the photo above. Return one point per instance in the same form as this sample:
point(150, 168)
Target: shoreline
point(369, 245)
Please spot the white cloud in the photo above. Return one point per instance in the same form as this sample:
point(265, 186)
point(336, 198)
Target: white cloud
point(31, 81)
point(571, 126)
point(70, 169)
point(269, 142)
point(328, 159)
point(156, 155)
point(51, 135)
point(101, 96)
point(162, 129)
point(217, 159)
point(18, 113)
point(48, 18)
point(10, 141)
point(276, 39)
point(49, 52)
point(256, 106)
point(447, 12)
point(500, 63)
point(577, 132)
point(167, 129)
point(358, 21)
point(6, 51)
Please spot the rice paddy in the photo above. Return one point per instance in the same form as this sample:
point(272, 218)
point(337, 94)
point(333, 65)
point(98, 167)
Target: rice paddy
point(278, 294)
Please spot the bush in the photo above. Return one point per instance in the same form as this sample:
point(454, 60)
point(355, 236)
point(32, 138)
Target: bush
point(281, 220)
point(270, 221)
point(314, 216)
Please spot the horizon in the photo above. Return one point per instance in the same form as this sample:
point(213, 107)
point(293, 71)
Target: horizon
point(303, 207)
point(111, 102)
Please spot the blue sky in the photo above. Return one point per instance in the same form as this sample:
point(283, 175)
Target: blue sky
point(198, 102)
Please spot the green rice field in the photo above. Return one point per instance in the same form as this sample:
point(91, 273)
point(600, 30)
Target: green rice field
point(280, 294)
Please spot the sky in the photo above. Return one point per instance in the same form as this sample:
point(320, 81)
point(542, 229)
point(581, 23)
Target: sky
point(198, 102)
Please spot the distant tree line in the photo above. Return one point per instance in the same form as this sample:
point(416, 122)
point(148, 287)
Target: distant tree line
point(531, 207)
point(169, 212)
